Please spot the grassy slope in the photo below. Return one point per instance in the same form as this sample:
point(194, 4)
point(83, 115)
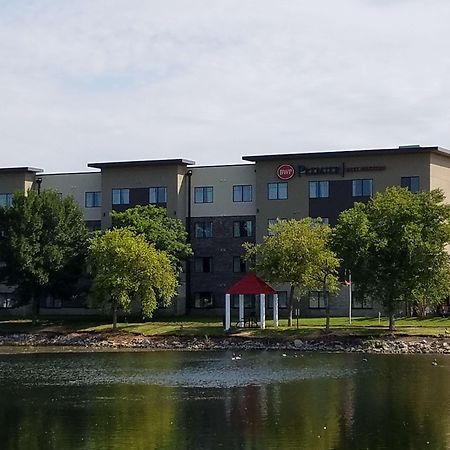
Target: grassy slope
point(190, 326)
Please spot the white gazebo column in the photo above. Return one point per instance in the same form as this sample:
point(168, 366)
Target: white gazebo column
point(227, 312)
point(241, 310)
point(275, 310)
point(262, 310)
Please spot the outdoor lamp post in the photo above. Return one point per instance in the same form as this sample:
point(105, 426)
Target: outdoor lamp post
point(38, 183)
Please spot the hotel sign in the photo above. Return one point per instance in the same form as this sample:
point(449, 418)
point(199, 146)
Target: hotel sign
point(336, 170)
point(285, 172)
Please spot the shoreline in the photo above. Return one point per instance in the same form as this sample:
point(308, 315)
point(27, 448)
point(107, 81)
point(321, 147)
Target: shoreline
point(329, 344)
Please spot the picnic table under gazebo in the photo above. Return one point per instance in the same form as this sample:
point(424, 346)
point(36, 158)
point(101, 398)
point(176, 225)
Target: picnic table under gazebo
point(251, 284)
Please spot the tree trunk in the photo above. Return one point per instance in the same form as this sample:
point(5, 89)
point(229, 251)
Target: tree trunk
point(391, 319)
point(35, 308)
point(291, 305)
point(327, 308)
point(114, 308)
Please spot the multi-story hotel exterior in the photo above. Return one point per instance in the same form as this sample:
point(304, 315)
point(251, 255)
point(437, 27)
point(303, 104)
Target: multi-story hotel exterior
point(224, 206)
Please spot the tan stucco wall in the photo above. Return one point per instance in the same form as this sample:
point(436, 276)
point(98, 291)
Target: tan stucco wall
point(440, 174)
point(16, 181)
point(76, 185)
point(143, 177)
point(222, 179)
point(297, 204)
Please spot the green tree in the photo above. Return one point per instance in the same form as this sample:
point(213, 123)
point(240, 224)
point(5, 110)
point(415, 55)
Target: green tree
point(163, 232)
point(43, 245)
point(126, 267)
point(395, 246)
point(296, 252)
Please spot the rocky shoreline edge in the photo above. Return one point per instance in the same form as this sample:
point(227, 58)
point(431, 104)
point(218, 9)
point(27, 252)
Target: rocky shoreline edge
point(348, 344)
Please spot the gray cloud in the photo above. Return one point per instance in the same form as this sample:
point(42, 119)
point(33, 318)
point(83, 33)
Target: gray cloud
point(109, 80)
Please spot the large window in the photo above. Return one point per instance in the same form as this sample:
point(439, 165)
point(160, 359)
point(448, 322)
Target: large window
point(318, 299)
point(121, 196)
point(242, 193)
point(157, 195)
point(243, 228)
point(203, 264)
point(319, 189)
point(203, 194)
point(282, 299)
point(92, 199)
point(411, 183)
point(361, 302)
point(6, 199)
point(277, 191)
point(239, 265)
point(203, 300)
point(203, 229)
point(362, 188)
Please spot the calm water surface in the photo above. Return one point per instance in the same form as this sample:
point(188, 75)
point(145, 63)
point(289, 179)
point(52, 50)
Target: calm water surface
point(207, 400)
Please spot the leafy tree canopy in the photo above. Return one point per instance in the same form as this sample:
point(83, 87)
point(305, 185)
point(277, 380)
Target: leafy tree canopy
point(395, 246)
point(43, 244)
point(296, 252)
point(126, 267)
point(163, 232)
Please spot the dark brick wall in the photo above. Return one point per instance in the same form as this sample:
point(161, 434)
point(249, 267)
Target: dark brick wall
point(222, 246)
point(340, 198)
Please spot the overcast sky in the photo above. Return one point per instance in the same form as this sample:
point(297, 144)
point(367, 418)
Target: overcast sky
point(212, 80)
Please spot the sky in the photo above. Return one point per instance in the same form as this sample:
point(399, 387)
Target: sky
point(110, 80)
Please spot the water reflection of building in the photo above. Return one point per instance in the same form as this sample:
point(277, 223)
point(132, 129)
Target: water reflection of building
point(224, 206)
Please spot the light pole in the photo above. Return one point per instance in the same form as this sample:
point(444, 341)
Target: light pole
point(350, 296)
point(39, 182)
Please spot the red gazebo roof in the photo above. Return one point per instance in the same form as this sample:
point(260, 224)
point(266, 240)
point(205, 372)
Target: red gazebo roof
point(251, 284)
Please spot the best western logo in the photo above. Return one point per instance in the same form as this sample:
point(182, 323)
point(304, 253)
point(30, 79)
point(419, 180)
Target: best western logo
point(285, 172)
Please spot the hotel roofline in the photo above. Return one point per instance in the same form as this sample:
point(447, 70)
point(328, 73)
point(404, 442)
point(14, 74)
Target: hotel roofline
point(20, 169)
point(148, 162)
point(404, 149)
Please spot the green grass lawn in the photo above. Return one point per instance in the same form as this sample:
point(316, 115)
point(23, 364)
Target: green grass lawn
point(212, 326)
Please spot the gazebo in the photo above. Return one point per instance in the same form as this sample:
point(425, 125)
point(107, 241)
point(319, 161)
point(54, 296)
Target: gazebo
point(252, 285)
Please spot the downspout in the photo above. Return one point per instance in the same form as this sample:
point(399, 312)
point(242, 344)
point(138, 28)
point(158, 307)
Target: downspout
point(189, 236)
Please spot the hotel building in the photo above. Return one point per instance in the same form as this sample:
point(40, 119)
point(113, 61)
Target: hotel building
point(226, 205)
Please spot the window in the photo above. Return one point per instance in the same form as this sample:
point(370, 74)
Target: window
point(324, 220)
point(92, 199)
point(6, 199)
point(93, 225)
point(239, 265)
point(157, 195)
point(318, 300)
point(203, 300)
point(271, 222)
point(282, 299)
point(51, 302)
point(362, 188)
point(249, 301)
point(203, 229)
point(203, 194)
point(363, 302)
point(121, 196)
point(277, 191)
point(242, 193)
point(411, 183)
point(203, 264)
point(319, 189)
point(7, 301)
point(243, 228)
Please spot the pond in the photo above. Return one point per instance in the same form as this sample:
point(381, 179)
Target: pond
point(212, 400)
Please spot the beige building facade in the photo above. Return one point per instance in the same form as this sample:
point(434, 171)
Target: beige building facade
point(224, 206)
